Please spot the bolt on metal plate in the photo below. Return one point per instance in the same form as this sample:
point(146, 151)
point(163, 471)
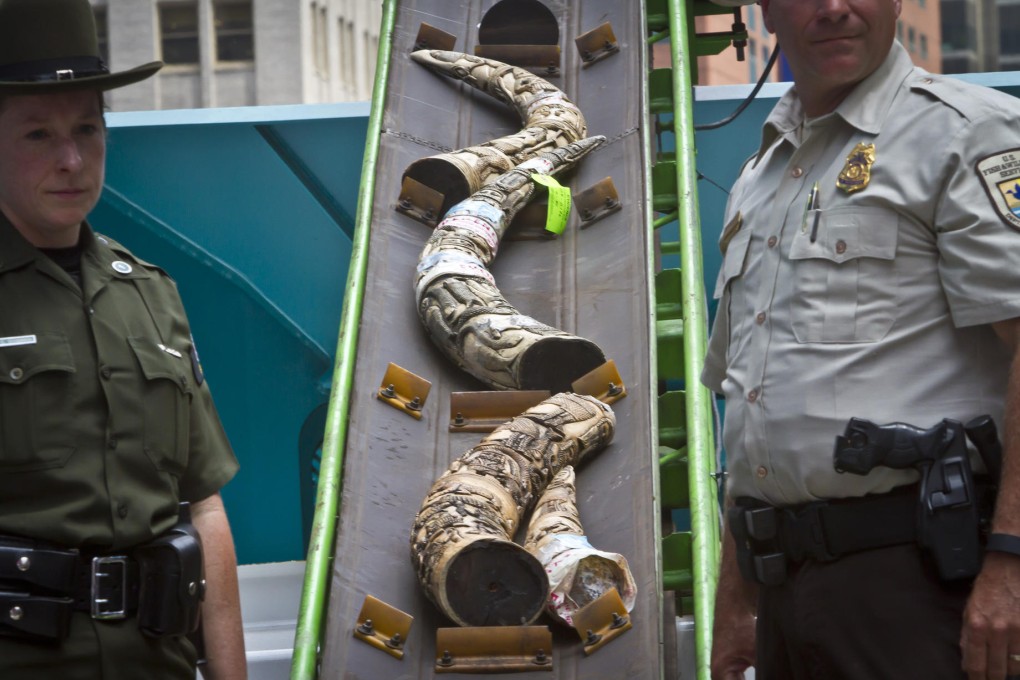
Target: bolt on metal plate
point(604, 383)
point(382, 626)
point(494, 649)
point(602, 621)
point(419, 202)
point(404, 390)
point(597, 201)
point(485, 411)
point(542, 60)
point(597, 44)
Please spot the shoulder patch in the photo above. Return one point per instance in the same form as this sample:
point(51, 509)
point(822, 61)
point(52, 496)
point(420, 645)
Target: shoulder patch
point(1000, 176)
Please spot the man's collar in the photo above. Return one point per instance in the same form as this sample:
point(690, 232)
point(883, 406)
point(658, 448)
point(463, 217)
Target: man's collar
point(865, 108)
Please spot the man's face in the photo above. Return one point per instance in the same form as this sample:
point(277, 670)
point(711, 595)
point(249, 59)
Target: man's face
point(832, 44)
point(52, 157)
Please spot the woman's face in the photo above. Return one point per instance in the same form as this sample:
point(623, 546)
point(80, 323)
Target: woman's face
point(52, 157)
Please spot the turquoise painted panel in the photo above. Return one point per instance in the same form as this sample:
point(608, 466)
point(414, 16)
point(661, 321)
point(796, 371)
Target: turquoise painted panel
point(249, 210)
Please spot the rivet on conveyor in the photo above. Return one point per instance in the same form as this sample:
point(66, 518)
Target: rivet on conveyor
point(458, 420)
point(618, 621)
point(415, 404)
point(592, 638)
point(367, 628)
point(540, 658)
point(614, 389)
point(395, 642)
point(447, 660)
point(388, 391)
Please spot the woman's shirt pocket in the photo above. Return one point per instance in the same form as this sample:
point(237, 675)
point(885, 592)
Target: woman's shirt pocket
point(166, 403)
point(36, 402)
point(844, 282)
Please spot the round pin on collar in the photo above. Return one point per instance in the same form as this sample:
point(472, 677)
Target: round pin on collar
point(122, 267)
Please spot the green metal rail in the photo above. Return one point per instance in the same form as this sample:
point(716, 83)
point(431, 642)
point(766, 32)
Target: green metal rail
point(686, 433)
point(315, 592)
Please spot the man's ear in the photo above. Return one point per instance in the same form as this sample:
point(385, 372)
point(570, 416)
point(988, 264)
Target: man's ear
point(765, 15)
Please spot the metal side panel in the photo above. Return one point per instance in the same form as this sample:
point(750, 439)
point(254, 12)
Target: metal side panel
point(592, 282)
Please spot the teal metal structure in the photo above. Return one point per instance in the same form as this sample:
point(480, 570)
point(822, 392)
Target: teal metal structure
point(251, 211)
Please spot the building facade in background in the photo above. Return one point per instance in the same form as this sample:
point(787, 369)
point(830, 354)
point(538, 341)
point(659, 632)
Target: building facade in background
point(241, 52)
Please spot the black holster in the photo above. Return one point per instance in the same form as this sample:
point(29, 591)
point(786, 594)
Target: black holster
point(172, 580)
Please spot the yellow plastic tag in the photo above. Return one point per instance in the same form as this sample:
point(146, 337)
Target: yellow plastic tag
point(559, 203)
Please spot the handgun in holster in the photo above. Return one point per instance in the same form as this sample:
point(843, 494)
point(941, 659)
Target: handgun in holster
point(172, 580)
point(950, 508)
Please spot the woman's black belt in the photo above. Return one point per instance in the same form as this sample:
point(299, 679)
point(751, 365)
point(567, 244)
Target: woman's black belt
point(41, 586)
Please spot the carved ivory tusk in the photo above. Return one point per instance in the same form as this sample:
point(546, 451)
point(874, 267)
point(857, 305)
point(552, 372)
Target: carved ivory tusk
point(578, 573)
point(549, 118)
point(465, 314)
point(461, 543)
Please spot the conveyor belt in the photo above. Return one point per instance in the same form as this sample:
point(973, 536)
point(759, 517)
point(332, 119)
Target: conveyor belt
point(593, 282)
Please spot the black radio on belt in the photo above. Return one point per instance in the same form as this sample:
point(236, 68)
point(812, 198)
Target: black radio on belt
point(950, 509)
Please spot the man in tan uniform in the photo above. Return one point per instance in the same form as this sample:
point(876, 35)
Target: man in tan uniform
point(870, 271)
point(106, 421)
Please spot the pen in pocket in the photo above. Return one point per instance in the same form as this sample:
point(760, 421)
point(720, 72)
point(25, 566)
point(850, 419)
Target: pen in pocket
point(814, 204)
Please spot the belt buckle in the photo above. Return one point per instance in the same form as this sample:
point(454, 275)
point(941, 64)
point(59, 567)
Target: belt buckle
point(105, 580)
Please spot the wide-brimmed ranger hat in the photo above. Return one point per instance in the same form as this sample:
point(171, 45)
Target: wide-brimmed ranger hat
point(50, 46)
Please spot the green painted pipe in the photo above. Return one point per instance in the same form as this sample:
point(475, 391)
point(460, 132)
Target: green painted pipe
point(700, 437)
point(315, 591)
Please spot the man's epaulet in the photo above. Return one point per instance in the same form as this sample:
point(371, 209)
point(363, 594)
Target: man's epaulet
point(969, 100)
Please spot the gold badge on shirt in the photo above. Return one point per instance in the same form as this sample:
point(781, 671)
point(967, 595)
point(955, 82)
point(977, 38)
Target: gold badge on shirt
point(857, 172)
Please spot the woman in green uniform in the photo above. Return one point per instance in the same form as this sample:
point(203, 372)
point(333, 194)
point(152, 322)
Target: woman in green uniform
point(106, 422)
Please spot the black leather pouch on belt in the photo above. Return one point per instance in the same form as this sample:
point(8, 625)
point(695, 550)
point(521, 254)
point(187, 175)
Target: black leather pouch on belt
point(173, 584)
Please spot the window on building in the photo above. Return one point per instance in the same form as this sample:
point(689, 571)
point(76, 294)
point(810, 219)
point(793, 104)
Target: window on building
point(178, 29)
point(752, 59)
point(102, 32)
point(899, 30)
point(924, 46)
point(234, 30)
point(954, 25)
point(911, 39)
point(1009, 30)
point(349, 56)
point(323, 29)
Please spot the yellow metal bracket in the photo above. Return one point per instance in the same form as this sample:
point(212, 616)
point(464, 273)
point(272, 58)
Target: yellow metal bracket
point(597, 44)
point(404, 390)
point(419, 202)
point(604, 383)
point(541, 59)
point(485, 411)
point(432, 38)
point(602, 621)
point(382, 626)
point(494, 649)
point(597, 201)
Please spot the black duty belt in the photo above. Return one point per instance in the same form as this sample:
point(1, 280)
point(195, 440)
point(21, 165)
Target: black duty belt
point(41, 586)
point(769, 537)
